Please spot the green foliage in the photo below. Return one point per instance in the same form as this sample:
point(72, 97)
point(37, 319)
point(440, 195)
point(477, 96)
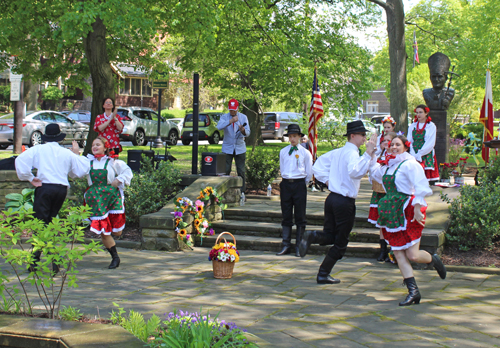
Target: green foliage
point(70, 314)
point(151, 189)
point(135, 323)
point(5, 95)
point(262, 166)
point(474, 216)
point(56, 241)
point(23, 200)
point(333, 132)
point(173, 113)
point(491, 172)
point(52, 94)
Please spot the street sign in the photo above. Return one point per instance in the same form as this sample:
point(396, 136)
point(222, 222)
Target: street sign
point(161, 81)
point(15, 86)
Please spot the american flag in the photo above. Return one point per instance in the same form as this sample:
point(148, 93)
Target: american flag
point(315, 113)
point(415, 48)
point(486, 116)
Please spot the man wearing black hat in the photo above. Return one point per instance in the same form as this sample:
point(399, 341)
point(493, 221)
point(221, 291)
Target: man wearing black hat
point(296, 171)
point(53, 163)
point(341, 170)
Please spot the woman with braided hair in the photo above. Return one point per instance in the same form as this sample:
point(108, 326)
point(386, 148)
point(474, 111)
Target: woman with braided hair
point(402, 212)
point(389, 125)
point(422, 136)
point(107, 179)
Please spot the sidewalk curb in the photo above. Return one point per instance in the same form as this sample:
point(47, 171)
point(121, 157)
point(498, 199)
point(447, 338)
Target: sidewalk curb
point(472, 269)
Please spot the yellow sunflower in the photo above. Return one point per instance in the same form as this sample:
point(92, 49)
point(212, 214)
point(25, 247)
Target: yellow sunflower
point(197, 223)
point(177, 221)
point(201, 196)
point(183, 233)
point(179, 199)
point(200, 215)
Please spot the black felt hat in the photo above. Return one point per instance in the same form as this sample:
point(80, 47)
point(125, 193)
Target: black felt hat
point(293, 129)
point(53, 133)
point(356, 127)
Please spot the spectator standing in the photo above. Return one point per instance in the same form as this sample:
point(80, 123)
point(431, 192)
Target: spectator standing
point(236, 128)
point(108, 125)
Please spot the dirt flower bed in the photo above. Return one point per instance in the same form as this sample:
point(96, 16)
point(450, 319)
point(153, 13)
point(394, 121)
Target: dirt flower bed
point(475, 257)
point(130, 233)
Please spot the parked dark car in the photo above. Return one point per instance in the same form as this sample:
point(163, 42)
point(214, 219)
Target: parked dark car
point(276, 123)
point(82, 116)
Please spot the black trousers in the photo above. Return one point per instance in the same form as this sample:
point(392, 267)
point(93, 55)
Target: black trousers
point(240, 166)
point(49, 199)
point(293, 197)
point(340, 212)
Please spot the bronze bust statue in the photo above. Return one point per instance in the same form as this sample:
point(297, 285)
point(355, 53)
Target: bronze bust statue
point(438, 97)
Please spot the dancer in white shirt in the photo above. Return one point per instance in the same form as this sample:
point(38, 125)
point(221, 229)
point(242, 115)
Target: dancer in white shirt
point(107, 179)
point(341, 170)
point(296, 171)
point(402, 212)
point(54, 164)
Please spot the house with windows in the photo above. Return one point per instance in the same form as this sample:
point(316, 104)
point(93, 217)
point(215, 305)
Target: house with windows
point(377, 104)
point(135, 87)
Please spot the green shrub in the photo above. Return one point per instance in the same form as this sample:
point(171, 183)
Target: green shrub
point(491, 172)
point(52, 94)
point(150, 190)
point(262, 166)
point(70, 314)
point(173, 113)
point(135, 323)
point(474, 216)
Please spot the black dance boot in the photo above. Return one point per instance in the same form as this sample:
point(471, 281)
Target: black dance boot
point(115, 262)
point(438, 265)
point(308, 238)
point(383, 250)
point(298, 238)
point(413, 293)
point(287, 237)
point(323, 276)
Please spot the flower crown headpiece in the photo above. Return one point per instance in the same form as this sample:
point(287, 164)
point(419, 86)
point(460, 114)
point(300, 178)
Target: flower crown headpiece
point(388, 119)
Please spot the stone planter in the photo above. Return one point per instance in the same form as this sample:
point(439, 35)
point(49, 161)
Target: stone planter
point(459, 180)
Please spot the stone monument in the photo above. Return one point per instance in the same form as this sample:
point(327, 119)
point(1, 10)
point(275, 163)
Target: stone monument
point(438, 99)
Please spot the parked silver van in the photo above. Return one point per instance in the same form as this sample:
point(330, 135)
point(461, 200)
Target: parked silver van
point(276, 123)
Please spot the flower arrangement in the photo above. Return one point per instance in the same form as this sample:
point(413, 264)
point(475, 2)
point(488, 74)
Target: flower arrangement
point(461, 166)
point(225, 252)
point(445, 169)
point(201, 225)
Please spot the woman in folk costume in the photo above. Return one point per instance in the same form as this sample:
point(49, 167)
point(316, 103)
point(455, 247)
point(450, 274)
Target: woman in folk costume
point(389, 124)
point(402, 212)
point(422, 136)
point(107, 178)
point(378, 193)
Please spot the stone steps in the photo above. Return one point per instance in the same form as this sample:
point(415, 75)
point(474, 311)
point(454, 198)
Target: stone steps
point(244, 242)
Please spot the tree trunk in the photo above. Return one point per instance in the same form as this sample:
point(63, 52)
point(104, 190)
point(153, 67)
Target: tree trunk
point(252, 110)
point(397, 56)
point(103, 79)
point(30, 94)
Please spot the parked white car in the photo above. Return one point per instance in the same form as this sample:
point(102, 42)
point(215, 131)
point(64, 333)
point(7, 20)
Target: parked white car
point(140, 126)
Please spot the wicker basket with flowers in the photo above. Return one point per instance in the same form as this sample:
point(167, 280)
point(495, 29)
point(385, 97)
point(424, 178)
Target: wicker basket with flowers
point(223, 256)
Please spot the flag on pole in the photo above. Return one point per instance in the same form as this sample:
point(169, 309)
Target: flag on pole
point(486, 116)
point(415, 48)
point(315, 113)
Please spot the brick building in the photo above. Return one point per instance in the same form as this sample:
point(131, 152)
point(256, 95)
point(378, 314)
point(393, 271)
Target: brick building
point(377, 104)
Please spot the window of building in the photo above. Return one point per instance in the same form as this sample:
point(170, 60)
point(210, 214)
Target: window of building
point(372, 106)
point(136, 87)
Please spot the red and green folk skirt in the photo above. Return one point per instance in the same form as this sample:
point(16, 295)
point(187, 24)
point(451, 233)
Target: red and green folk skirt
point(106, 204)
point(402, 236)
point(373, 212)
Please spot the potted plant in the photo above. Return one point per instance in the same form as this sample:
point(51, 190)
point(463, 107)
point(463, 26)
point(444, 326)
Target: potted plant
point(459, 171)
point(444, 172)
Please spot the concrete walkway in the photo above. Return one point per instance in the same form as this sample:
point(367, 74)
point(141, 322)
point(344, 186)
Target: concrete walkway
point(277, 299)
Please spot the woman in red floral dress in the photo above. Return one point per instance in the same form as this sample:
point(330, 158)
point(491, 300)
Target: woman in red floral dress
point(422, 136)
point(108, 125)
point(107, 178)
point(376, 196)
point(402, 212)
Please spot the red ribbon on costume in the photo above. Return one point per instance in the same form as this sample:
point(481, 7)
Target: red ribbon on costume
point(385, 161)
point(99, 156)
point(113, 155)
point(407, 144)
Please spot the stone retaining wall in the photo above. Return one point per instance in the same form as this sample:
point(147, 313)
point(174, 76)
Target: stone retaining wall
point(9, 183)
point(158, 229)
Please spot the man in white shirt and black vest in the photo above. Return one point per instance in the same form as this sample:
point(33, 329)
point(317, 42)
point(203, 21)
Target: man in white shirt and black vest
point(341, 170)
point(54, 164)
point(296, 171)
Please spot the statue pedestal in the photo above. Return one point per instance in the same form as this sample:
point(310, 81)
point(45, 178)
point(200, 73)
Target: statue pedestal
point(439, 117)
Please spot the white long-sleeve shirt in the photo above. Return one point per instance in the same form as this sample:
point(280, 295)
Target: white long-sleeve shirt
point(292, 167)
point(343, 169)
point(410, 178)
point(117, 169)
point(429, 137)
point(234, 140)
point(53, 162)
